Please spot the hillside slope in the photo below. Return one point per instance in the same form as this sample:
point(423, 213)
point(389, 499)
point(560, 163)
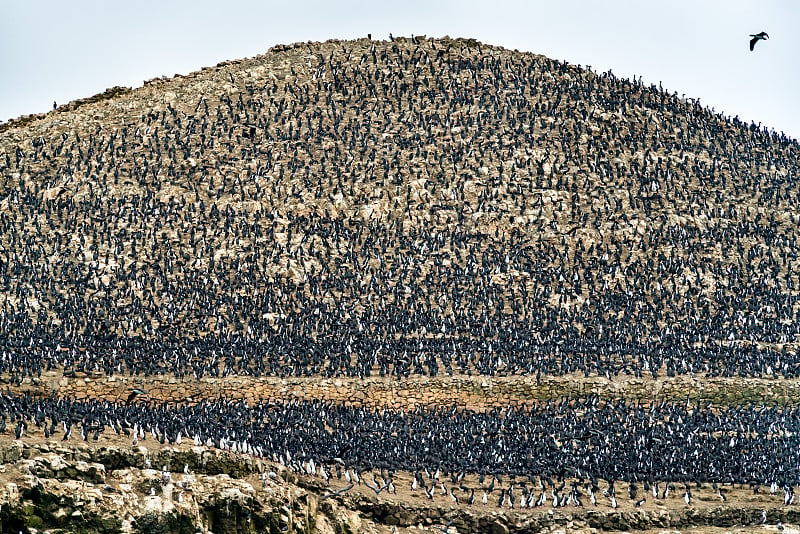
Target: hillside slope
point(400, 207)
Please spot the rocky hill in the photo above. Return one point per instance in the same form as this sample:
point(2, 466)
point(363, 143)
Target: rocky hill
point(438, 246)
point(350, 207)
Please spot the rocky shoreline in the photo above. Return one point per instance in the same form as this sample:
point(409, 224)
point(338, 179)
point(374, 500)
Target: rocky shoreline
point(104, 489)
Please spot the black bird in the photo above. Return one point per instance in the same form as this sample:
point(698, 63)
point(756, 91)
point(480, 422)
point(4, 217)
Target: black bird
point(375, 488)
point(135, 393)
point(756, 38)
point(632, 489)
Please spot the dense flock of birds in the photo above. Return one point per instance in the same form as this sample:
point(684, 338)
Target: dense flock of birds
point(397, 208)
point(410, 207)
point(591, 444)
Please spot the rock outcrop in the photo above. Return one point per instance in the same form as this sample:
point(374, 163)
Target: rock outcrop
point(108, 489)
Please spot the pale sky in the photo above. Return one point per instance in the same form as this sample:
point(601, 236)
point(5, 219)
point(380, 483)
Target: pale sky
point(62, 50)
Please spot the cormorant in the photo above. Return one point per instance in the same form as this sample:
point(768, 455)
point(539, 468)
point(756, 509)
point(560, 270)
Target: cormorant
point(756, 38)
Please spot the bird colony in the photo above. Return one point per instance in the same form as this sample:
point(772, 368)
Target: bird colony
point(404, 208)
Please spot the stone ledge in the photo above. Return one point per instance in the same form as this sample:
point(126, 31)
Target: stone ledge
point(475, 393)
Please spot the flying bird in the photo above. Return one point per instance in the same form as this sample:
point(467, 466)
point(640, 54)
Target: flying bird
point(337, 492)
point(756, 38)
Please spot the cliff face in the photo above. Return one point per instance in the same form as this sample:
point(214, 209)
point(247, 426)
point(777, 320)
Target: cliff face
point(115, 489)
